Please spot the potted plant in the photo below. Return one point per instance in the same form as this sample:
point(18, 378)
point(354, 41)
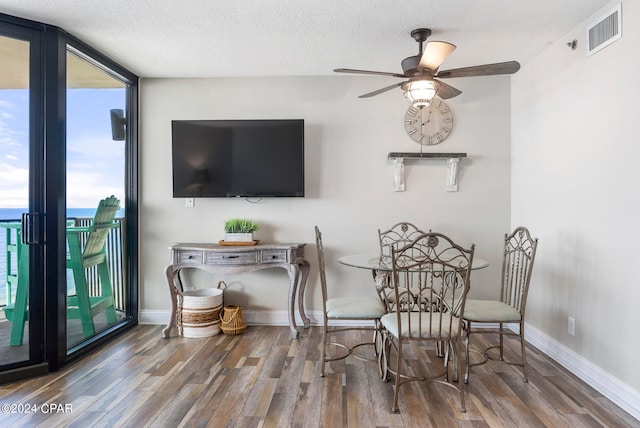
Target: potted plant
point(239, 230)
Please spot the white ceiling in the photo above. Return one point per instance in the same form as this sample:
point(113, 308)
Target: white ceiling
point(214, 38)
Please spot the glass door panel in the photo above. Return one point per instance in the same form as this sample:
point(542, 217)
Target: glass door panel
point(63, 143)
point(14, 200)
point(96, 106)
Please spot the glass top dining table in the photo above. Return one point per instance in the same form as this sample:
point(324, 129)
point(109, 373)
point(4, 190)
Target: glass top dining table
point(376, 263)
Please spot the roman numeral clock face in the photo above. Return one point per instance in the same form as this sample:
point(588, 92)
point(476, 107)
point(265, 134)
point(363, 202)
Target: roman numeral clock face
point(431, 124)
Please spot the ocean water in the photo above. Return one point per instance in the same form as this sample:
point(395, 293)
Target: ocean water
point(9, 215)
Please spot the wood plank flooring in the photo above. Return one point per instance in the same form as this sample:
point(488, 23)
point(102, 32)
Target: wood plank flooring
point(262, 378)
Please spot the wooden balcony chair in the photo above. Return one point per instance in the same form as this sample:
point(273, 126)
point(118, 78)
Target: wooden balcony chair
point(430, 279)
point(361, 309)
point(85, 305)
point(17, 278)
point(517, 264)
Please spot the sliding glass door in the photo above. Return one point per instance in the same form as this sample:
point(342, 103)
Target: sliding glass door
point(21, 243)
point(96, 165)
point(68, 198)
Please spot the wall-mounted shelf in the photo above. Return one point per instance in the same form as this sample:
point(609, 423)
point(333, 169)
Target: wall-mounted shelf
point(452, 164)
point(409, 155)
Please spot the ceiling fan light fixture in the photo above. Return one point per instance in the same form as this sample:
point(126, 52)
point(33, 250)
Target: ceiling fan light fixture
point(419, 92)
point(434, 54)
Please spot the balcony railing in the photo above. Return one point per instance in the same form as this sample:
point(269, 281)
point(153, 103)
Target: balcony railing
point(114, 248)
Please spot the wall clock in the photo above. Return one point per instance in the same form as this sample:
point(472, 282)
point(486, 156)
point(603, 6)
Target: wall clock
point(431, 124)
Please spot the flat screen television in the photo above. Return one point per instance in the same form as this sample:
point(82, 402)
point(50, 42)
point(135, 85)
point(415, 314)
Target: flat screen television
point(238, 158)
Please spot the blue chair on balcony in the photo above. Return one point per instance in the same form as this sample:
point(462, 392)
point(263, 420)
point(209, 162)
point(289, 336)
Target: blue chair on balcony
point(86, 304)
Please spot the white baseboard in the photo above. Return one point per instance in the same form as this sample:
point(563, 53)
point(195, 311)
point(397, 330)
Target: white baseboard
point(251, 317)
point(611, 387)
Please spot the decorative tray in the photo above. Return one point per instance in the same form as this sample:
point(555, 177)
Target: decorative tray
point(238, 243)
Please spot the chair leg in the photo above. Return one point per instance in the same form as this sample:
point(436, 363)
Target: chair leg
point(383, 359)
point(524, 354)
point(20, 308)
point(378, 345)
point(501, 342)
point(466, 352)
point(84, 303)
point(449, 353)
point(376, 339)
point(459, 367)
point(454, 354)
point(394, 407)
point(323, 353)
point(107, 291)
point(82, 293)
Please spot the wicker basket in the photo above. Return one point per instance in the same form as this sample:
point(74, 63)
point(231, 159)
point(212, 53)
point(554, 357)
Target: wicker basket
point(199, 312)
point(232, 320)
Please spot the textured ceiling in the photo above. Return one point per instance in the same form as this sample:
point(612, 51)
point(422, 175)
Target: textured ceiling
point(214, 38)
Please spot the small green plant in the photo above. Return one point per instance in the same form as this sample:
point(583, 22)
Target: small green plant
point(240, 225)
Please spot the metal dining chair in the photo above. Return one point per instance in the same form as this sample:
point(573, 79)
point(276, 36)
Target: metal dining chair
point(362, 309)
point(437, 272)
point(397, 236)
point(517, 265)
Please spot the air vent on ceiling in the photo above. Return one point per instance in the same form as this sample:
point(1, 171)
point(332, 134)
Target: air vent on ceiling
point(604, 30)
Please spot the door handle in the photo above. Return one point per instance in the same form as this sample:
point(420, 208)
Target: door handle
point(30, 228)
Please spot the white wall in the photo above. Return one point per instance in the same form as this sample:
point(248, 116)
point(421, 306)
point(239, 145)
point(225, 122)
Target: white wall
point(349, 180)
point(575, 181)
point(556, 154)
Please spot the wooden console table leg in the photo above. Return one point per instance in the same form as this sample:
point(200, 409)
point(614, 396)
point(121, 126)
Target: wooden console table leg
point(171, 280)
point(294, 274)
point(305, 267)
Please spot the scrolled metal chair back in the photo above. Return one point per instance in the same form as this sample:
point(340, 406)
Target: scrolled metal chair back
point(398, 236)
point(430, 277)
point(519, 255)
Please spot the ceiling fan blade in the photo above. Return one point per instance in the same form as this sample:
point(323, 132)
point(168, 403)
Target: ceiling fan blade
point(508, 67)
point(378, 73)
point(434, 54)
point(445, 91)
point(381, 90)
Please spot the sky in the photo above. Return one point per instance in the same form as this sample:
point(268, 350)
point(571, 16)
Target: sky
point(95, 163)
point(14, 134)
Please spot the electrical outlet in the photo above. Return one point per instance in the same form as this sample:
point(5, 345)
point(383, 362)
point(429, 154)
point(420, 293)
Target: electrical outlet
point(188, 202)
point(572, 326)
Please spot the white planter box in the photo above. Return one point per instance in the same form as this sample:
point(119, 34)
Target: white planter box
point(238, 237)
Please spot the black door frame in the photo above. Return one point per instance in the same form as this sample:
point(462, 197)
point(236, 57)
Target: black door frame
point(32, 32)
point(47, 197)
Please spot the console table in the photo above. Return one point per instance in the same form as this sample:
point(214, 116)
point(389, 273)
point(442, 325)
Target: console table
point(223, 259)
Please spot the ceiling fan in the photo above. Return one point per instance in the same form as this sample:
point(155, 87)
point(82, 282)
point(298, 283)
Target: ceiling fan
point(423, 74)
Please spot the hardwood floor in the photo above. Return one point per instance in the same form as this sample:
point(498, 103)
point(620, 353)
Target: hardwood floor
point(262, 378)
